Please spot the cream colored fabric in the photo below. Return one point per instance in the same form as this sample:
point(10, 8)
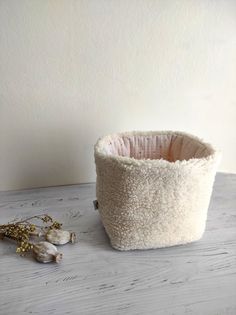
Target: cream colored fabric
point(154, 188)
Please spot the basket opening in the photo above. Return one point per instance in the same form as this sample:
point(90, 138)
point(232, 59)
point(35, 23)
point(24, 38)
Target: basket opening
point(170, 147)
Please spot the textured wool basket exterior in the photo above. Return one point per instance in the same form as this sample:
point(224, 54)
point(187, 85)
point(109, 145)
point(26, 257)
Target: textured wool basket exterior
point(153, 188)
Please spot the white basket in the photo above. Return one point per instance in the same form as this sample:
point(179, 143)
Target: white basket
point(154, 188)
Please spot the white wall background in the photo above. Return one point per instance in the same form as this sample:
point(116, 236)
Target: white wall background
point(71, 71)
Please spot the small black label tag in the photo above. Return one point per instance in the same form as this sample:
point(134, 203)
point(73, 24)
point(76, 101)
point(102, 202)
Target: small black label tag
point(95, 204)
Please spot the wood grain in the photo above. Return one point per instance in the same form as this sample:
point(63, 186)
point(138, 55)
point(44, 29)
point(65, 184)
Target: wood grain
point(93, 278)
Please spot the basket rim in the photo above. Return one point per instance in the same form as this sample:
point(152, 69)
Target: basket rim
point(98, 152)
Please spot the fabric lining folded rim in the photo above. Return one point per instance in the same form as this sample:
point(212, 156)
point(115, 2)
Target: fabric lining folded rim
point(151, 145)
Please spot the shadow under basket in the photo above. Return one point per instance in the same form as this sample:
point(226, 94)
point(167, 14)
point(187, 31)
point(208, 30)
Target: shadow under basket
point(154, 188)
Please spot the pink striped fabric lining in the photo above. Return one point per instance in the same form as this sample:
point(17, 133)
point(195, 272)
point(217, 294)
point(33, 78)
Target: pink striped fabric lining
point(170, 147)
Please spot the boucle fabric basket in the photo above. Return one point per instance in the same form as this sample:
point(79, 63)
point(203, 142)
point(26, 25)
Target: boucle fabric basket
point(153, 188)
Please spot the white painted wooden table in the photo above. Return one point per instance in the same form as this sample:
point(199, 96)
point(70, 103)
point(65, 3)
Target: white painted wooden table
point(198, 278)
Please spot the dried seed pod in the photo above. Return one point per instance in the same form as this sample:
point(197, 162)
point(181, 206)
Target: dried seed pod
point(60, 237)
point(46, 252)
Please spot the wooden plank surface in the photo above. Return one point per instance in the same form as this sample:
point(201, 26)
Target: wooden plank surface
point(93, 278)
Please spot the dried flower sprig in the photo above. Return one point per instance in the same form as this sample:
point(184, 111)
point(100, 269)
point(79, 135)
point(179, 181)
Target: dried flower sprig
point(23, 231)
